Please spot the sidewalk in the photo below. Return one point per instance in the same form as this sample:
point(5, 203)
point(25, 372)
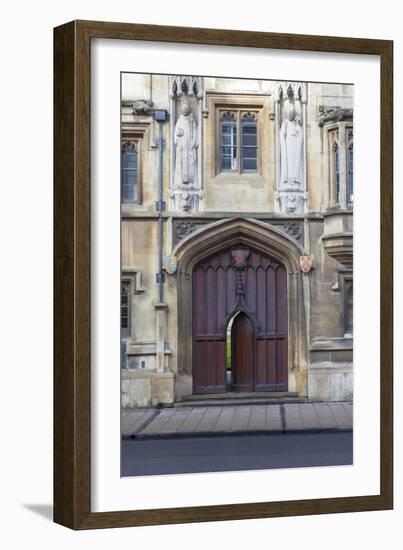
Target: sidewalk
point(236, 420)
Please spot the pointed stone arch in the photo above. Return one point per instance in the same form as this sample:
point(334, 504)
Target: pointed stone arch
point(269, 240)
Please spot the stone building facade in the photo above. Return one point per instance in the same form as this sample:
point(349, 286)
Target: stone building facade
point(237, 233)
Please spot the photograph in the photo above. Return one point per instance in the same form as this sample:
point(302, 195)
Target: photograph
point(203, 250)
point(236, 306)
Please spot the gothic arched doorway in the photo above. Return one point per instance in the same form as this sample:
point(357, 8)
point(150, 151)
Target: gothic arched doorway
point(239, 279)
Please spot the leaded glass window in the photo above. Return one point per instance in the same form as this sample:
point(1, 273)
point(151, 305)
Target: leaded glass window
point(249, 142)
point(238, 142)
point(124, 309)
point(349, 307)
point(336, 169)
point(228, 145)
point(130, 186)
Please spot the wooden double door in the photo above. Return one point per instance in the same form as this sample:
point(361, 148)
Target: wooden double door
point(239, 303)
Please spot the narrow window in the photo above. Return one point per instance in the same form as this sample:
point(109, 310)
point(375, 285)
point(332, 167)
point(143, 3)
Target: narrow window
point(348, 325)
point(228, 143)
point(124, 309)
point(350, 166)
point(249, 142)
point(130, 188)
point(336, 172)
point(124, 322)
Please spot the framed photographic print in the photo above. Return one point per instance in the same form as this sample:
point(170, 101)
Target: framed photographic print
point(222, 349)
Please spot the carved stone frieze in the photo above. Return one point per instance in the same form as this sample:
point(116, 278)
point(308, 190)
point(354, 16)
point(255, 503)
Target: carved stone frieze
point(294, 230)
point(184, 228)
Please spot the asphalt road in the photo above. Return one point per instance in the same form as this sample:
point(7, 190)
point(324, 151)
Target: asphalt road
point(231, 453)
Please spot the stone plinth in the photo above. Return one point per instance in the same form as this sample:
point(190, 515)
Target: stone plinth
point(141, 388)
point(330, 382)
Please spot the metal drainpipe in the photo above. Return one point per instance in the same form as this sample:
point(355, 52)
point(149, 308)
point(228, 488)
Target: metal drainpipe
point(161, 116)
point(160, 208)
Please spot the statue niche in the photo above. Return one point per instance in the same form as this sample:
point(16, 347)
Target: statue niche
point(291, 149)
point(186, 147)
point(185, 188)
point(290, 103)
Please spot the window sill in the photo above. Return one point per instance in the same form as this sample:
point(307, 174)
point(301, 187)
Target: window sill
point(128, 208)
point(228, 178)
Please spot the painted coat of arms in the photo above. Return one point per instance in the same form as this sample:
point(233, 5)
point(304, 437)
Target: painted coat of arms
point(305, 263)
point(240, 255)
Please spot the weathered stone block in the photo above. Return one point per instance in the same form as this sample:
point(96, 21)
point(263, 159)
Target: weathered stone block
point(136, 392)
point(330, 382)
point(147, 389)
point(162, 388)
point(183, 387)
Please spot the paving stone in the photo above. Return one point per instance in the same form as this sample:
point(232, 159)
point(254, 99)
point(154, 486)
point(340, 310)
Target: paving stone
point(241, 418)
point(273, 417)
point(293, 417)
point(126, 411)
point(348, 407)
point(309, 416)
point(226, 419)
point(343, 419)
point(325, 415)
point(174, 422)
point(192, 420)
point(257, 419)
point(159, 421)
point(134, 420)
point(208, 420)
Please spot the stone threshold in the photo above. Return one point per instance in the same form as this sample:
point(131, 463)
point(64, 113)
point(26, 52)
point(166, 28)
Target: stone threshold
point(232, 398)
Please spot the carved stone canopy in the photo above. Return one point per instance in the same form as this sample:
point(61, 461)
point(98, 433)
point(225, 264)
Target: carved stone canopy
point(290, 91)
point(186, 85)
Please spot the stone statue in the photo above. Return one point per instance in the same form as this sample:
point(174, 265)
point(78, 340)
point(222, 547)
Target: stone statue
point(291, 140)
point(186, 144)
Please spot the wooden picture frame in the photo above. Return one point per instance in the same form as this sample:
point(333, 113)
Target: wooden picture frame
point(72, 269)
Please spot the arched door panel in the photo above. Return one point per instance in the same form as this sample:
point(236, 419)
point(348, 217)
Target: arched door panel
point(219, 287)
point(243, 354)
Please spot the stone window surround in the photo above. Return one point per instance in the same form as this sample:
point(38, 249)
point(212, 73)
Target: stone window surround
point(135, 143)
point(343, 277)
point(342, 128)
point(216, 104)
point(133, 133)
point(132, 277)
